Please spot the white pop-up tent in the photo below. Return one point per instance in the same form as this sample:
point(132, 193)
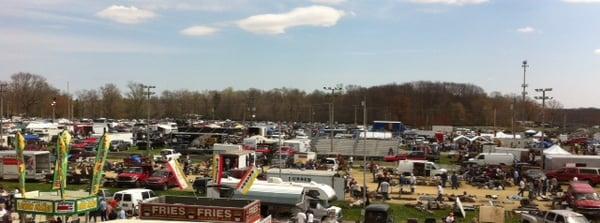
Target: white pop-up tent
point(556, 150)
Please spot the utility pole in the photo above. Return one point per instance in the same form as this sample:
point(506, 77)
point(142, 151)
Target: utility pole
point(332, 111)
point(2, 90)
point(148, 94)
point(512, 118)
point(543, 98)
point(524, 86)
point(364, 105)
point(53, 104)
point(355, 115)
point(280, 157)
point(494, 119)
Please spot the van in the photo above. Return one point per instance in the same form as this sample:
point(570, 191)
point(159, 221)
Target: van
point(419, 168)
point(130, 199)
point(493, 159)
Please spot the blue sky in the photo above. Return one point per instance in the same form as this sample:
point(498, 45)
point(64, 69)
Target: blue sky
point(306, 44)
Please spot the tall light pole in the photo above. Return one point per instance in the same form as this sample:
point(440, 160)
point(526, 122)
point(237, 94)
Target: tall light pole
point(332, 111)
point(53, 104)
point(364, 105)
point(2, 90)
point(543, 98)
point(148, 93)
point(524, 86)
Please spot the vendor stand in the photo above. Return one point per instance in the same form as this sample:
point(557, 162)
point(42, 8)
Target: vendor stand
point(51, 203)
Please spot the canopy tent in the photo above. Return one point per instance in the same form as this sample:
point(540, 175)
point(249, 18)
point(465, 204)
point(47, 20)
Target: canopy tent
point(556, 150)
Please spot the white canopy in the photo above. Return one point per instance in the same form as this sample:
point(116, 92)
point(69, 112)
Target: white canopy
point(556, 150)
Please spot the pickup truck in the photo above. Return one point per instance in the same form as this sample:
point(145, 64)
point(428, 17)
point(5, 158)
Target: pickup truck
point(582, 197)
point(553, 216)
point(167, 155)
point(162, 179)
point(135, 175)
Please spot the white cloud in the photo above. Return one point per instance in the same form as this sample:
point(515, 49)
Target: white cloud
point(328, 2)
point(127, 15)
point(451, 2)
point(199, 31)
point(597, 52)
point(581, 1)
point(322, 16)
point(526, 29)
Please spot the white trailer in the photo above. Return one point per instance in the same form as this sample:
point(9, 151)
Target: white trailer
point(37, 164)
point(124, 136)
point(553, 162)
point(520, 154)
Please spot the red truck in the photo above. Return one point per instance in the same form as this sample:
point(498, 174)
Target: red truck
point(162, 179)
point(582, 198)
point(134, 176)
point(589, 174)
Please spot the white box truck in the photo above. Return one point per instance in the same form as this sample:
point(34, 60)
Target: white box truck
point(553, 162)
point(37, 164)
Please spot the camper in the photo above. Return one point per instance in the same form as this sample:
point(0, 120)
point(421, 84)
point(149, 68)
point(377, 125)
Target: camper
point(493, 159)
point(330, 178)
point(37, 164)
point(419, 168)
point(554, 162)
point(297, 145)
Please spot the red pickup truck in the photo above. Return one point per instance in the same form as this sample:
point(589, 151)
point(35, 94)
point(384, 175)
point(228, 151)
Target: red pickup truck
point(589, 174)
point(582, 198)
point(135, 175)
point(162, 179)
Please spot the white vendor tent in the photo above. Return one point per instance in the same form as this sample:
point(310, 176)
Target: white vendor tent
point(556, 150)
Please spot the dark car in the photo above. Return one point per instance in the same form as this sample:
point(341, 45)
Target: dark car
point(119, 145)
point(378, 213)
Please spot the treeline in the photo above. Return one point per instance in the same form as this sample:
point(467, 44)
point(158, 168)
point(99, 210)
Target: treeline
point(420, 103)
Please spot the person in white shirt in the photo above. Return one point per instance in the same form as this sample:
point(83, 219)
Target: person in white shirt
point(440, 192)
point(3, 211)
point(301, 217)
point(384, 189)
point(450, 218)
point(310, 217)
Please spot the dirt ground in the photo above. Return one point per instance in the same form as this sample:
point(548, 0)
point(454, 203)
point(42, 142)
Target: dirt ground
point(503, 195)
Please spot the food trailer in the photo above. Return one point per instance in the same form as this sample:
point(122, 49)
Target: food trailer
point(194, 209)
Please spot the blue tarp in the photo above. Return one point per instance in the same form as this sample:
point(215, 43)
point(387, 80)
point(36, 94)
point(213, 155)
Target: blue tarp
point(32, 138)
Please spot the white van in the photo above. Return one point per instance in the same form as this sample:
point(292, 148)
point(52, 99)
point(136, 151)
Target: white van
point(493, 159)
point(130, 199)
point(419, 168)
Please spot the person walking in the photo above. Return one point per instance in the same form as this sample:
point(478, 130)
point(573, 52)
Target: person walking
point(103, 210)
point(440, 192)
point(444, 177)
point(301, 217)
point(522, 187)
point(454, 181)
point(310, 217)
point(384, 189)
point(413, 183)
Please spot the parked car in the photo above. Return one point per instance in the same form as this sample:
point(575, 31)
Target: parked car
point(589, 174)
point(378, 213)
point(130, 199)
point(553, 216)
point(582, 198)
point(119, 145)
